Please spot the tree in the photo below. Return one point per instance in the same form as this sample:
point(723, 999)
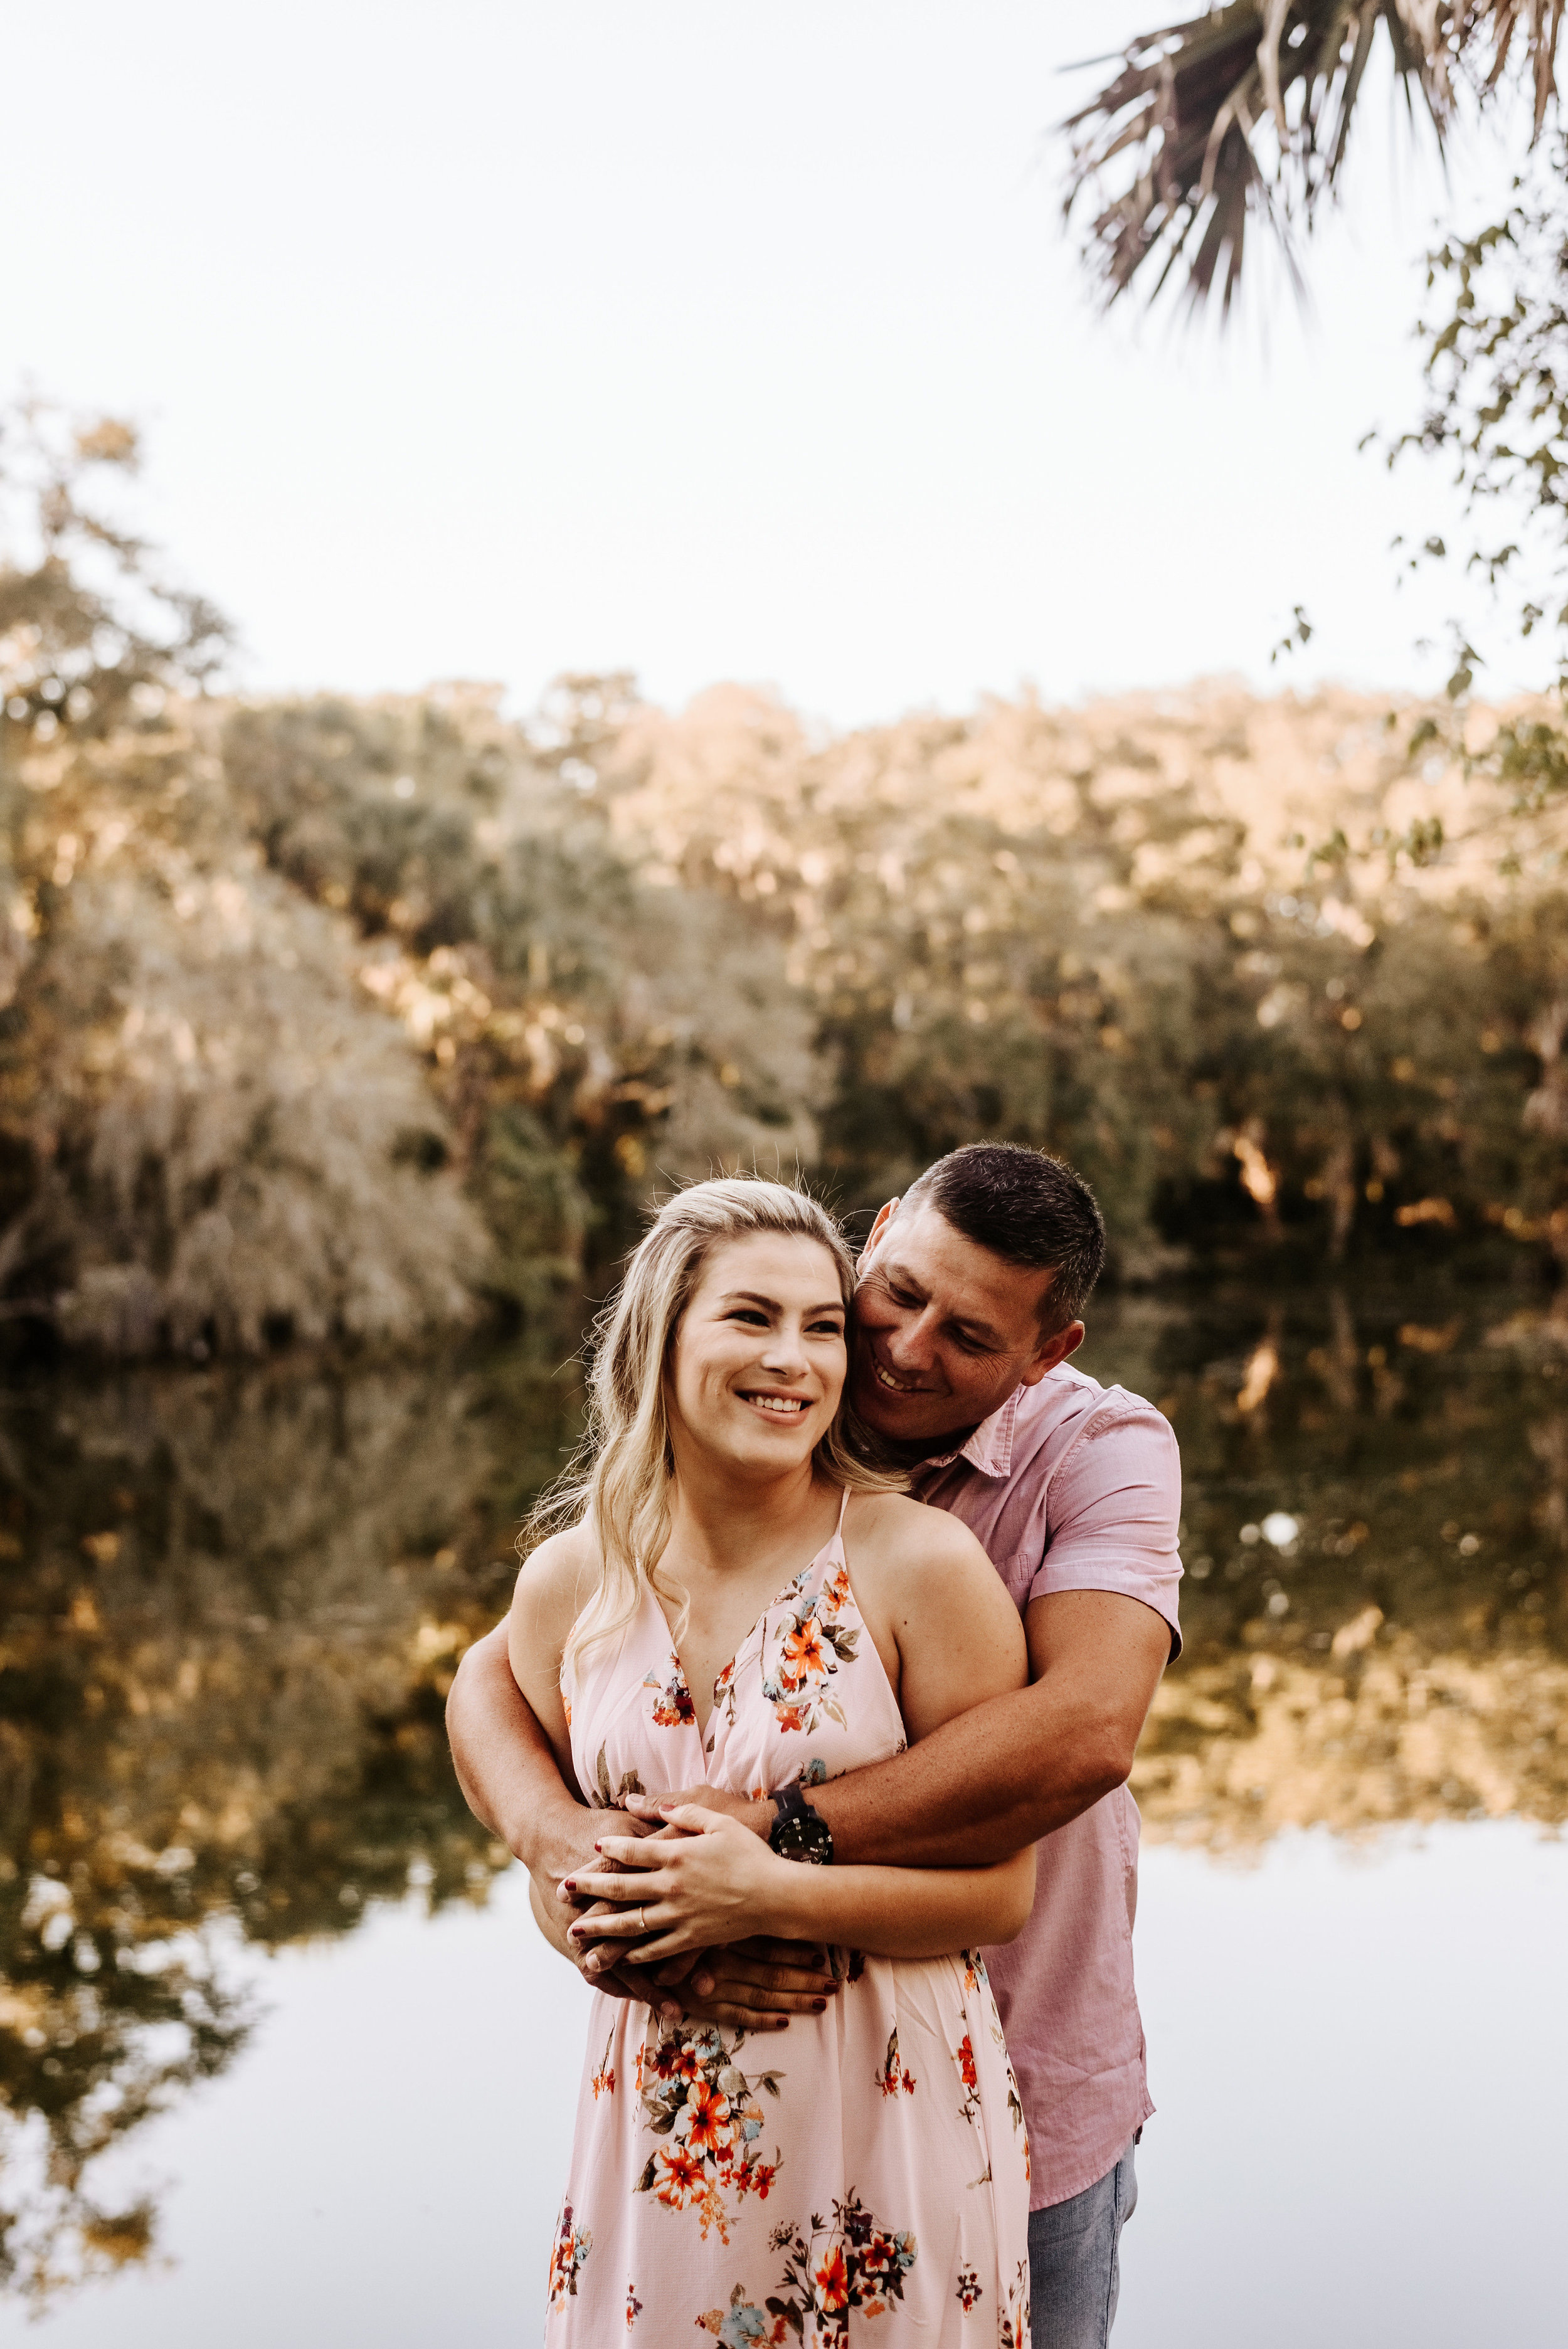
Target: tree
point(1245, 114)
point(209, 1133)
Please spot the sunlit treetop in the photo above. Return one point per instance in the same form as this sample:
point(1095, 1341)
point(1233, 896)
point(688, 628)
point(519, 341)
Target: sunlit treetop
point(91, 625)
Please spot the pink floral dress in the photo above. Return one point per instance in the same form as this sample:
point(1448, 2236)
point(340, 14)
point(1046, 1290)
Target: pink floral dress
point(860, 2177)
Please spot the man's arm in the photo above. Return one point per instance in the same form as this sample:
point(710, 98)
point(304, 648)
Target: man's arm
point(1008, 1771)
point(508, 1774)
point(511, 1783)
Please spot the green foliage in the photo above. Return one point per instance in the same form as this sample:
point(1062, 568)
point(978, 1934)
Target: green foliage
point(1090, 930)
point(205, 1125)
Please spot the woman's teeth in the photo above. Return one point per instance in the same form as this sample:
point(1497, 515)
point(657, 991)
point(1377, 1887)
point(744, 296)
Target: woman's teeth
point(782, 1406)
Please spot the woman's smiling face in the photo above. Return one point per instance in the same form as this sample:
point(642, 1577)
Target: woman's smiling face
point(758, 1361)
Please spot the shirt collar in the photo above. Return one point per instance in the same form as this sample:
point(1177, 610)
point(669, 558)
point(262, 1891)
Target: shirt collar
point(990, 1447)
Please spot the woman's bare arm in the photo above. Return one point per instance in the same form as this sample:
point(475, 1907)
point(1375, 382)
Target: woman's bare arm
point(718, 1883)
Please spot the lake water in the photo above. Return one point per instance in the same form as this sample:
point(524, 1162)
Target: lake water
point(284, 2060)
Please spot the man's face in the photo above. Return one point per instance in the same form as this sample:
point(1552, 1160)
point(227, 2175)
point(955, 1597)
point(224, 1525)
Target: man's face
point(943, 1330)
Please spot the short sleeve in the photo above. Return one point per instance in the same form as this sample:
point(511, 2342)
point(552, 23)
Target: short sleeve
point(1112, 1510)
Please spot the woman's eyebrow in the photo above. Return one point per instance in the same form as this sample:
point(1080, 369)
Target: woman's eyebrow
point(771, 1304)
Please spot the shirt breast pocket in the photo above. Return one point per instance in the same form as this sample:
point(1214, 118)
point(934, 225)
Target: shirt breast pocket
point(1017, 1573)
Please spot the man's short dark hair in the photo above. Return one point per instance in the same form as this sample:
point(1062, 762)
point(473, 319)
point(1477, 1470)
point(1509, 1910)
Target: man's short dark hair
point(1026, 1208)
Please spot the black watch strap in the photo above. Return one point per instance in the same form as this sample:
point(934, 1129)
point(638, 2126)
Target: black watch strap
point(799, 1832)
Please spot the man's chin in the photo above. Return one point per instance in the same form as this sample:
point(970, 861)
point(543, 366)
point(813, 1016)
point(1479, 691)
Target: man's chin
point(903, 1418)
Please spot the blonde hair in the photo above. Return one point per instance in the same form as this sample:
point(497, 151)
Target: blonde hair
point(622, 1475)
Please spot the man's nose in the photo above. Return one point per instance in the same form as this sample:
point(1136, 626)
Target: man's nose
point(912, 1345)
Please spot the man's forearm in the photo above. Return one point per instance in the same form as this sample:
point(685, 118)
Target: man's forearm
point(1018, 1767)
point(505, 1766)
point(984, 1784)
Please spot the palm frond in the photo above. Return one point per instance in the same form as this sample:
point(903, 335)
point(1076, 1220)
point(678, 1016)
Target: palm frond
point(1247, 111)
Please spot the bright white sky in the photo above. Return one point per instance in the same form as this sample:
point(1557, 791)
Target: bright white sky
point(707, 338)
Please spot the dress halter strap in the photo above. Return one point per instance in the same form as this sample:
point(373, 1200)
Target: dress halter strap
point(843, 1504)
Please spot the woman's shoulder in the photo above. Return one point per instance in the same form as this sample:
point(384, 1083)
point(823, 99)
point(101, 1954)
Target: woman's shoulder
point(557, 1578)
point(891, 1532)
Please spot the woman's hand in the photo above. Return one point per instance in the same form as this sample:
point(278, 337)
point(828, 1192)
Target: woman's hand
point(712, 1883)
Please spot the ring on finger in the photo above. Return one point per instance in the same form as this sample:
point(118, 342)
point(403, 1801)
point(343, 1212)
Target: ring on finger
point(642, 1920)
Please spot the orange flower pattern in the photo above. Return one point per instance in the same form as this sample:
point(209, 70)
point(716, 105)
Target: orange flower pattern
point(892, 2076)
point(672, 1707)
point(851, 2265)
point(1014, 2327)
point(696, 2096)
point(567, 2255)
point(875, 2129)
point(813, 1640)
point(963, 2056)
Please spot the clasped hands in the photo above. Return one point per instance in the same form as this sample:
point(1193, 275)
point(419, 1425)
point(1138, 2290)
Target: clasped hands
point(663, 1909)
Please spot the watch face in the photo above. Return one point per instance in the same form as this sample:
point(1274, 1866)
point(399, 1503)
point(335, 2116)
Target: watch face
point(806, 1837)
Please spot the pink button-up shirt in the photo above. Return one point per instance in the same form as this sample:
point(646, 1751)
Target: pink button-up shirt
point(1074, 1486)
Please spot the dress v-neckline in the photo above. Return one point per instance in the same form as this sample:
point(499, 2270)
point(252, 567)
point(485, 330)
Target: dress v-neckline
point(834, 1540)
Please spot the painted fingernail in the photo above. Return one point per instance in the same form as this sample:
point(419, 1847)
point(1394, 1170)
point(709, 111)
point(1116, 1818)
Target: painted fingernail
point(571, 1884)
point(818, 2006)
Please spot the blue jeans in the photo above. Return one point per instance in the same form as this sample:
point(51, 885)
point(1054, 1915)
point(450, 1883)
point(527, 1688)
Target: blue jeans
point(1075, 2263)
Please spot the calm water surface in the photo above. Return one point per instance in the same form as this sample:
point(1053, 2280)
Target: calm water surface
point(283, 2058)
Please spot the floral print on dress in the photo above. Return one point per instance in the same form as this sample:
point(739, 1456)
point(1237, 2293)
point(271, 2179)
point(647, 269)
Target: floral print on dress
point(672, 1707)
point(963, 2056)
point(851, 2263)
point(567, 2254)
point(694, 2094)
point(680, 2172)
point(812, 1641)
point(609, 1798)
point(1015, 2332)
point(892, 2076)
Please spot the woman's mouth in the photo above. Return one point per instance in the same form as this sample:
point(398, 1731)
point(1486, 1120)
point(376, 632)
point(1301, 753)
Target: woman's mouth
point(777, 1406)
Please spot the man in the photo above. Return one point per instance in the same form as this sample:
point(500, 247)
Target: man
point(971, 1290)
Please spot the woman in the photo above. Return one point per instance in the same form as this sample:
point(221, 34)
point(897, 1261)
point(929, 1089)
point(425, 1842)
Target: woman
point(738, 1599)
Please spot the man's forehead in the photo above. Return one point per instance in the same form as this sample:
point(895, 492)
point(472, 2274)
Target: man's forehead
point(921, 1241)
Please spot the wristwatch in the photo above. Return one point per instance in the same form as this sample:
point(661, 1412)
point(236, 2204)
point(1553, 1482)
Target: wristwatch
point(799, 1832)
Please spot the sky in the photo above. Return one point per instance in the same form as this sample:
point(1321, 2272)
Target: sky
point(709, 341)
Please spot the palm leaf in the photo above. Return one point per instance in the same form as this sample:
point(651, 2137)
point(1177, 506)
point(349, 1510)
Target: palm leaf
point(1246, 112)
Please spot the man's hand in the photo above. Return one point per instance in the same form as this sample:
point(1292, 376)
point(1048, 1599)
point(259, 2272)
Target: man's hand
point(758, 1985)
point(653, 1810)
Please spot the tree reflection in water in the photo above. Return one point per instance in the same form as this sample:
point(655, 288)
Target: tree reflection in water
point(233, 1606)
point(235, 1599)
point(1376, 1538)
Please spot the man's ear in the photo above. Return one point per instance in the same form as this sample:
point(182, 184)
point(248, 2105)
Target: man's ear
point(1054, 1351)
point(884, 1217)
